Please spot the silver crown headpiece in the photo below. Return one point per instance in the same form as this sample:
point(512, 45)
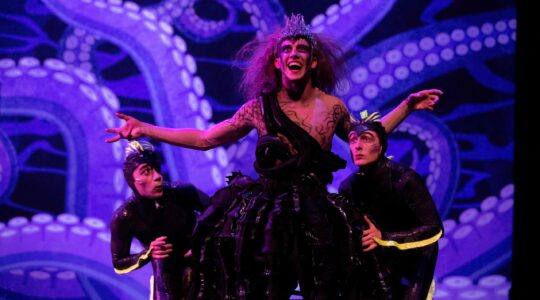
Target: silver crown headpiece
point(296, 27)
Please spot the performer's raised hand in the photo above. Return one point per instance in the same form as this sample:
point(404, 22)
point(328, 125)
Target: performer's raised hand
point(425, 99)
point(132, 129)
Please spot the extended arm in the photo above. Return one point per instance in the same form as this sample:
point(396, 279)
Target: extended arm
point(225, 132)
point(425, 99)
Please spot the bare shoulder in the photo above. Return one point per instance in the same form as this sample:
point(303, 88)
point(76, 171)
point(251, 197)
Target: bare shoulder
point(335, 105)
point(255, 102)
point(252, 106)
point(329, 98)
point(249, 115)
point(332, 101)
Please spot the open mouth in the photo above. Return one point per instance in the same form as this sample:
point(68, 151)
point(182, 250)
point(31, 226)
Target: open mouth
point(294, 66)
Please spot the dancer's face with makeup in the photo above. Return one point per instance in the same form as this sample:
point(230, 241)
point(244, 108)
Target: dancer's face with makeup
point(365, 147)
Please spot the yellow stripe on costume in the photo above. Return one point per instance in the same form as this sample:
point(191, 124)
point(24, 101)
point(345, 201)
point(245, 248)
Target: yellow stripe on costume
point(136, 265)
point(411, 245)
point(431, 290)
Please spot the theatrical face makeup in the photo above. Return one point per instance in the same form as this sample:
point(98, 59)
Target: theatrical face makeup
point(365, 148)
point(148, 181)
point(294, 59)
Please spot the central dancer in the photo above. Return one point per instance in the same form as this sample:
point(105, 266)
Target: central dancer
point(261, 237)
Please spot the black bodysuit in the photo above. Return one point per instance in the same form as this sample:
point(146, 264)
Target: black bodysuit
point(172, 215)
point(399, 204)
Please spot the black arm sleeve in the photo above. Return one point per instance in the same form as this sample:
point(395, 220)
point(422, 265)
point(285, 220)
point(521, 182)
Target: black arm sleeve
point(420, 202)
point(121, 238)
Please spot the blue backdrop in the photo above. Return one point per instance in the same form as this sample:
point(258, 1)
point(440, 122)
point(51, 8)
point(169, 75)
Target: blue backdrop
point(67, 65)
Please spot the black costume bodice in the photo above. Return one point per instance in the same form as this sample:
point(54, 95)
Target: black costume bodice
point(273, 158)
point(260, 237)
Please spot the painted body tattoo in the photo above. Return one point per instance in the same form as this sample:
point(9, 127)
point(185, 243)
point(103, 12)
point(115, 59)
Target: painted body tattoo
point(249, 115)
point(321, 123)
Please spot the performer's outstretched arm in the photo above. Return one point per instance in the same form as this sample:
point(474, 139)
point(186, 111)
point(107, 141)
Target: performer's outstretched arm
point(425, 99)
point(225, 132)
